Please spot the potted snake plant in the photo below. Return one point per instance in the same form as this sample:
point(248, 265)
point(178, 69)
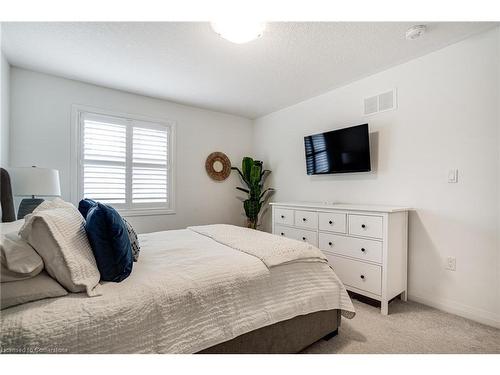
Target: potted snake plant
point(254, 177)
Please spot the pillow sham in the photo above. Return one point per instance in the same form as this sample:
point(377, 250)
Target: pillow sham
point(108, 237)
point(134, 240)
point(39, 287)
point(56, 232)
point(13, 226)
point(85, 205)
point(55, 203)
point(18, 259)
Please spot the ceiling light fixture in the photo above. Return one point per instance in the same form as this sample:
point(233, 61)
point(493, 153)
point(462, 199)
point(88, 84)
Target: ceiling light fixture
point(415, 32)
point(239, 31)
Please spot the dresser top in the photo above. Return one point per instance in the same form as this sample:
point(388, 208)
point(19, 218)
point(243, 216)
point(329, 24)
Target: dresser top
point(342, 206)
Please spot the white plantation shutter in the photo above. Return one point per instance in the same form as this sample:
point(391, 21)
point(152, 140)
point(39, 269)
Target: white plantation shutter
point(125, 162)
point(149, 165)
point(104, 159)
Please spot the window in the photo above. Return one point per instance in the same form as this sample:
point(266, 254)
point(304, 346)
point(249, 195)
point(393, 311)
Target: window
point(125, 162)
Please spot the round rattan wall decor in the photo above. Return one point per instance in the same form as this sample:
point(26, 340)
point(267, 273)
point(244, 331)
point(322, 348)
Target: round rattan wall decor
point(218, 166)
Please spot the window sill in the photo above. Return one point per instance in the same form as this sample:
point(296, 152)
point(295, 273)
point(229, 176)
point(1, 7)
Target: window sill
point(145, 212)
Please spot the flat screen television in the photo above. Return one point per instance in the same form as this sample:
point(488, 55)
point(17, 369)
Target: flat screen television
point(338, 151)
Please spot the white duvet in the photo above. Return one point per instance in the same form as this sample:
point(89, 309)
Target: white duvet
point(186, 293)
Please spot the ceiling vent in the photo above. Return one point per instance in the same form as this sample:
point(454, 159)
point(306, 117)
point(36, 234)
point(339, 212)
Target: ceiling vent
point(380, 103)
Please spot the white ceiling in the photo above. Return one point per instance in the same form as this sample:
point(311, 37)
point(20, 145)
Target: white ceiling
point(188, 63)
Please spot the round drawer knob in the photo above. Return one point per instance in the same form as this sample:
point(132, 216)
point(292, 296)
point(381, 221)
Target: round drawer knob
point(363, 249)
point(330, 222)
point(363, 226)
point(304, 238)
point(282, 216)
point(362, 277)
point(329, 243)
point(304, 219)
point(282, 233)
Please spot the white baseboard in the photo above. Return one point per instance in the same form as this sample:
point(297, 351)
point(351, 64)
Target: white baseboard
point(469, 312)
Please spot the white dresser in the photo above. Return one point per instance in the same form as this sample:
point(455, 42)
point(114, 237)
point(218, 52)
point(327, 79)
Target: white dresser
point(366, 245)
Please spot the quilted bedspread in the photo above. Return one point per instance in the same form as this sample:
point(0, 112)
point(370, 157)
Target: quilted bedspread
point(272, 250)
point(186, 293)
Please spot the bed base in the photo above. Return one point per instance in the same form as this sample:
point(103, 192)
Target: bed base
point(286, 337)
point(331, 335)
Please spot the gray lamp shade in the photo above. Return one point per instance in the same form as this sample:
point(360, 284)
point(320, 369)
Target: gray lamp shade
point(34, 181)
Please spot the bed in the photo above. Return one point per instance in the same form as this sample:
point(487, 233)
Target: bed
point(188, 293)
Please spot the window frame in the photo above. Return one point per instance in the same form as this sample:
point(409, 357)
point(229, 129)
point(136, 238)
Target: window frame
point(139, 209)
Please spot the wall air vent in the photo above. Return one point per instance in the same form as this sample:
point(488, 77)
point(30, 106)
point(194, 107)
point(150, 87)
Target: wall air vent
point(380, 103)
point(371, 105)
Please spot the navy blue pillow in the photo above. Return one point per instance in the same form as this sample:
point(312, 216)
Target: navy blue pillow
point(85, 205)
point(108, 237)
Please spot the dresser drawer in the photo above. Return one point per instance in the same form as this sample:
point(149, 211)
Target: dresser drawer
point(332, 222)
point(284, 231)
point(297, 234)
point(366, 226)
point(352, 247)
point(283, 216)
point(364, 276)
point(306, 219)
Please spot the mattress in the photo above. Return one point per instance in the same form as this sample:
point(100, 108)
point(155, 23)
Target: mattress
point(186, 293)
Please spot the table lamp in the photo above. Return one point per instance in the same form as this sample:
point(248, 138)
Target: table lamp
point(31, 182)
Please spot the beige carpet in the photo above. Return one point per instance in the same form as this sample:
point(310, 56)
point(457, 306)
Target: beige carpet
point(409, 328)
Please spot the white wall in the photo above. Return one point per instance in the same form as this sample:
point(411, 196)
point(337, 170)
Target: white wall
point(498, 178)
point(448, 117)
point(4, 107)
point(40, 135)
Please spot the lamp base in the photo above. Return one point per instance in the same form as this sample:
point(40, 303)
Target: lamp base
point(27, 206)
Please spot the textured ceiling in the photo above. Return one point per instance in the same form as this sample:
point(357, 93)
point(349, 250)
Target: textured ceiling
point(188, 63)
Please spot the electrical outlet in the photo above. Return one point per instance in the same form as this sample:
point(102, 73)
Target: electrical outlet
point(452, 176)
point(451, 263)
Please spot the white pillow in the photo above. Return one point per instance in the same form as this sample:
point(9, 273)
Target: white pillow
point(39, 287)
point(13, 226)
point(18, 259)
point(58, 236)
point(56, 203)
